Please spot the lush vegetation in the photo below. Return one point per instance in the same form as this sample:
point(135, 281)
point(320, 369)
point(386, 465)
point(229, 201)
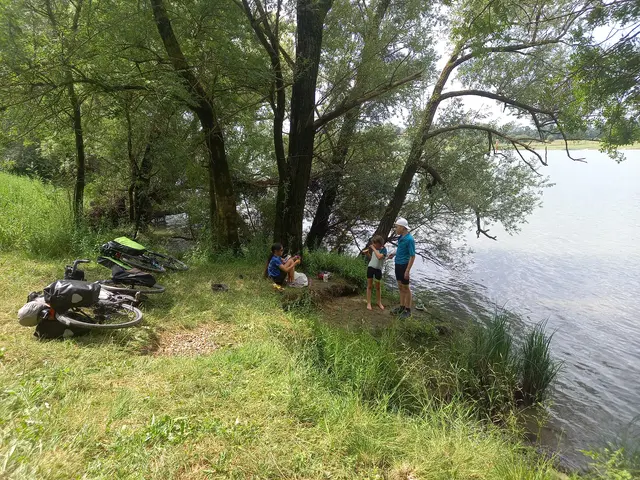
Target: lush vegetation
point(270, 393)
point(250, 119)
point(281, 396)
point(137, 110)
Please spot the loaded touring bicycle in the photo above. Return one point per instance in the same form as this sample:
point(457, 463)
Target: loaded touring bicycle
point(125, 251)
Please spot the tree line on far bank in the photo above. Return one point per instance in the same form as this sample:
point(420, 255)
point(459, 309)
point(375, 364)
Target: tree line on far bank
point(256, 116)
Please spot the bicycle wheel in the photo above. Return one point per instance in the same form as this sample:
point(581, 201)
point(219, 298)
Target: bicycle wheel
point(102, 316)
point(142, 262)
point(130, 288)
point(167, 261)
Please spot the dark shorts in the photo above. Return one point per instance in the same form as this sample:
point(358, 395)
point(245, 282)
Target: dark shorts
point(280, 278)
point(400, 269)
point(374, 273)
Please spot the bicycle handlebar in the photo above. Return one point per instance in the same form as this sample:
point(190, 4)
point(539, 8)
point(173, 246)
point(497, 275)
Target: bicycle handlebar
point(78, 261)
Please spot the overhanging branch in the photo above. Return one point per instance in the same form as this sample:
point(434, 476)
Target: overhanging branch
point(516, 48)
point(347, 105)
point(514, 141)
point(500, 98)
point(481, 230)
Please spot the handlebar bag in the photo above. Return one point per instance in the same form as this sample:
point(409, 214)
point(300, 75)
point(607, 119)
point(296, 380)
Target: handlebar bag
point(65, 294)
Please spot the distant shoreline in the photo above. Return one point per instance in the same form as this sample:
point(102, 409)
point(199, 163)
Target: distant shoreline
point(573, 145)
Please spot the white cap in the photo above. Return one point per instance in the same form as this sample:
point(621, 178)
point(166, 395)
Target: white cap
point(402, 222)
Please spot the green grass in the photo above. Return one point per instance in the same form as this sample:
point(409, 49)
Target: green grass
point(352, 269)
point(538, 369)
point(284, 396)
point(36, 218)
point(489, 367)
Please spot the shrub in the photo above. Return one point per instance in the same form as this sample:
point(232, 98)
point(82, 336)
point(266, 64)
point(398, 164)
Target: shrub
point(611, 464)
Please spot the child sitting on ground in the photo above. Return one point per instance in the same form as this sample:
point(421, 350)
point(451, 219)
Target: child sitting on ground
point(278, 270)
point(377, 252)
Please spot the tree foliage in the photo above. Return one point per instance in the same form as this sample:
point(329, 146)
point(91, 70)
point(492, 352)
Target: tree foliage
point(261, 116)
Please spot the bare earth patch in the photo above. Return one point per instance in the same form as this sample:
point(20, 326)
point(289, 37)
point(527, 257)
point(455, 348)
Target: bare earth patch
point(188, 343)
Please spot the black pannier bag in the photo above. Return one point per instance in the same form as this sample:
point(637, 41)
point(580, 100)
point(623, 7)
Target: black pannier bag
point(132, 277)
point(65, 294)
point(51, 329)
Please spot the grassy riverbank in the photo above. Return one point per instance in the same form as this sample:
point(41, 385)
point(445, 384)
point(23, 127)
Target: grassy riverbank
point(253, 400)
point(231, 385)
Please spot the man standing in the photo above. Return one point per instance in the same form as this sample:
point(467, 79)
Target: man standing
point(405, 256)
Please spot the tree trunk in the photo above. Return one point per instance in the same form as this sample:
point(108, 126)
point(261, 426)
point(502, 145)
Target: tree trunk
point(141, 191)
point(133, 168)
point(278, 142)
point(320, 225)
point(310, 16)
point(222, 199)
point(78, 191)
point(417, 147)
point(223, 215)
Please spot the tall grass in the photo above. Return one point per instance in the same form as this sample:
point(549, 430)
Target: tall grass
point(358, 363)
point(352, 269)
point(36, 218)
point(538, 369)
point(489, 367)
point(497, 374)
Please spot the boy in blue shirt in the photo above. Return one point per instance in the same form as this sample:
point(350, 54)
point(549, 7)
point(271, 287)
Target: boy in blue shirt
point(405, 256)
point(278, 270)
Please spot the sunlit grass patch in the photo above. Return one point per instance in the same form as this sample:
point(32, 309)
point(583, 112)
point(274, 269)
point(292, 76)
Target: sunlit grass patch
point(286, 396)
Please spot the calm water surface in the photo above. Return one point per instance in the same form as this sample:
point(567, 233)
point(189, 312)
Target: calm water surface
point(575, 264)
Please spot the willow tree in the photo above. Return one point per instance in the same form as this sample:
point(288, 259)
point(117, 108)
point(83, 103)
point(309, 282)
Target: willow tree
point(606, 74)
point(391, 42)
point(222, 200)
point(506, 51)
point(44, 47)
point(307, 115)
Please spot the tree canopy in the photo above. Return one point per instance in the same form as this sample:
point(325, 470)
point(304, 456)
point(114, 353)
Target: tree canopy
point(310, 122)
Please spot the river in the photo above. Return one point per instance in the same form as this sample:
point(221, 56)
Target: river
point(576, 265)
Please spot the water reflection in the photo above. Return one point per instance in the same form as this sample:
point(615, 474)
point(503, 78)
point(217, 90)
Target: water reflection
point(575, 264)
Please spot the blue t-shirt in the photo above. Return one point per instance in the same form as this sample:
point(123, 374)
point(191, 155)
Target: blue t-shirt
point(274, 266)
point(406, 249)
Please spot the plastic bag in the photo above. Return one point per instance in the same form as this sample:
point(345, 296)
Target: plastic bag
point(300, 280)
